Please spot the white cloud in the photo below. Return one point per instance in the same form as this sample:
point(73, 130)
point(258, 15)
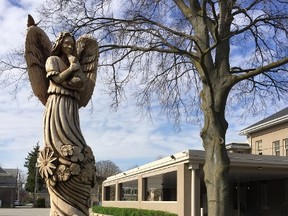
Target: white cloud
point(13, 22)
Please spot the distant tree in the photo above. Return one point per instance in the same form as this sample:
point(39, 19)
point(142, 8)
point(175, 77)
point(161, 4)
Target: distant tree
point(30, 164)
point(21, 183)
point(22, 178)
point(106, 168)
point(134, 166)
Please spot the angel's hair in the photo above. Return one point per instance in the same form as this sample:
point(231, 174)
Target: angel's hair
point(56, 49)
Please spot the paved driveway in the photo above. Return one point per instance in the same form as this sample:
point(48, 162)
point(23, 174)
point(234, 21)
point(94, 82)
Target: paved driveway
point(24, 211)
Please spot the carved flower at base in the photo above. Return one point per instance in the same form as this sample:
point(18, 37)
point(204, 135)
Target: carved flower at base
point(88, 153)
point(63, 173)
point(51, 182)
point(67, 150)
point(77, 155)
point(45, 162)
point(88, 174)
point(75, 169)
point(91, 171)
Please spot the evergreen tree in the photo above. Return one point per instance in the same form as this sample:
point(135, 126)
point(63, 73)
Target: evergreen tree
point(30, 164)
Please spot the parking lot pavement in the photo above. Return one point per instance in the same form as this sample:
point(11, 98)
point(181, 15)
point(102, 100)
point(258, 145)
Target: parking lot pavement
point(24, 211)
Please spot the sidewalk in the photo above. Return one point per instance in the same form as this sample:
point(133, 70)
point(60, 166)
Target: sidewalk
point(28, 211)
point(24, 211)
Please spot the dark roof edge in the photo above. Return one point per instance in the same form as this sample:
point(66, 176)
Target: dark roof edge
point(280, 116)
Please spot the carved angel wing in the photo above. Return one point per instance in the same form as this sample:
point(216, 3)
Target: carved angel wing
point(37, 50)
point(88, 52)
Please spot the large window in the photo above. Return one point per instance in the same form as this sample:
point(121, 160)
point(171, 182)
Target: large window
point(129, 191)
point(276, 148)
point(161, 187)
point(110, 192)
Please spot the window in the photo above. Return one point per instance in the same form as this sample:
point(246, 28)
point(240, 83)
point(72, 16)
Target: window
point(110, 193)
point(258, 146)
point(276, 148)
point(129, 191)
point(161, 187)
point(285, 142)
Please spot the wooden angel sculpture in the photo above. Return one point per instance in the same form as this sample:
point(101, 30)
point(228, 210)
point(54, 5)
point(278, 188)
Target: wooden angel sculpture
point(63, 78)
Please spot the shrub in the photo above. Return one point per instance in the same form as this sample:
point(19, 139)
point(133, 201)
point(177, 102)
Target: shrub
point(129, 211)
point(40, 203)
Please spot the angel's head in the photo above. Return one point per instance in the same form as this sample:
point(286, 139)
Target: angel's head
point(64, 44)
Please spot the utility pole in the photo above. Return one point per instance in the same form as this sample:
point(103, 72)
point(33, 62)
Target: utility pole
point(35, 184)
point(18, 185)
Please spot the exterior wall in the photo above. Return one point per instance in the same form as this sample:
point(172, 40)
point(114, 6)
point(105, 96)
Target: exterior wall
point(8, 188)
point(248, 195)
point(183, 190)
point(268, 136)
point(252, 177)
point(7, 196)
point(181, 206)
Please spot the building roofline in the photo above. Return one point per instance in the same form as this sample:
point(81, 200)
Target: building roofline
point(276, 118)
point(169, 161)
point(264, 125)
point(198, 157)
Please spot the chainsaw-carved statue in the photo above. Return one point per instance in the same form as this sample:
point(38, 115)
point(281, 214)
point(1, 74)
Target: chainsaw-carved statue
point(63, 77)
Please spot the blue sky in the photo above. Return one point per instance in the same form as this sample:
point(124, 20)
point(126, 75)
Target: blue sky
point(123, 136)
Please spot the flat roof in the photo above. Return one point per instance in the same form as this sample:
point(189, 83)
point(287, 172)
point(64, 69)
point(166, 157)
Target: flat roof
point(254, 165)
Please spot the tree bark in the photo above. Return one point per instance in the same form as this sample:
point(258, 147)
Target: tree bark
point(217, 162)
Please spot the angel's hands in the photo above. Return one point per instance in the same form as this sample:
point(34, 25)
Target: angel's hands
point(63, 75)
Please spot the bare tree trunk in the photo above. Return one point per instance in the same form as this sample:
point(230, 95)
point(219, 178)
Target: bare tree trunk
point(217, 162)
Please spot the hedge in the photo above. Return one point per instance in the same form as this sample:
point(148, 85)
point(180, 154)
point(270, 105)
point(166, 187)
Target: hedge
point(129, 211)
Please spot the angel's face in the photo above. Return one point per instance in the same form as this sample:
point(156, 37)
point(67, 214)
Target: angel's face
point(68, 45)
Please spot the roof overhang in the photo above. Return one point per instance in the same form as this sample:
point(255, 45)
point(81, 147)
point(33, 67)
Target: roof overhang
point(164, 163)
point(242, 166)
point(264, 125)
